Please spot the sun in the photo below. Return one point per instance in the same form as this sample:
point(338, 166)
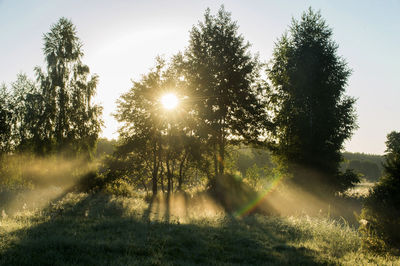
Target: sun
point(169, 101)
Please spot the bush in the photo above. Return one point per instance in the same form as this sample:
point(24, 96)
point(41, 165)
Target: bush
point(95, 182)
point(90, 182)
point(380, 217)
point(119, 187)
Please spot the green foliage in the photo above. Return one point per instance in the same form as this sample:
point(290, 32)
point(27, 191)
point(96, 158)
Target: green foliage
point(107, 182)
point(120, 187)
point(90, 182)
point(381, 211)
point(312, 116)
point(225, 86)
point(253, 176)
point(5, 121)
point(26, 102)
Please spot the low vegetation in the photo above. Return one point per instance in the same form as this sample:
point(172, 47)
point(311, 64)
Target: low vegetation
point(84, 229)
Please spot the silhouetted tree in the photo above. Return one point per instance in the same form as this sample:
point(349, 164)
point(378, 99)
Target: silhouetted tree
point(313, 116)
point(381, 211)
point(225, 87)
point(158, 140)
point(140, 110)
point(69, 120)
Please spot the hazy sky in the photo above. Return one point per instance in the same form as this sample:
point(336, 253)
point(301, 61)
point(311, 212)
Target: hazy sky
point(122, 38)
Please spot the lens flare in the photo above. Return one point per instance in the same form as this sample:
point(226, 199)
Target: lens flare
point(253, 204)
point(169, 101)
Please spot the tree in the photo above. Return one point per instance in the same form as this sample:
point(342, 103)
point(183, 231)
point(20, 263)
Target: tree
point(69, 121)
point(159, 142)
point(27, 104)
point(225, 87)
point(140, 134)
point(312, 115)
point(5, 121)
point(151, 136)
point(381, 211)
point(392, 164)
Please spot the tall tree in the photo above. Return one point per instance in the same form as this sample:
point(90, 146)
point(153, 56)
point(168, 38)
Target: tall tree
point(69, 119)
point(225, 87)
point(313, 116)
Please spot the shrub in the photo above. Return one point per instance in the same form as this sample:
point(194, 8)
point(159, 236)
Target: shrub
point(381, 216)
point(119, 187)
point(102, 182)
point(91, 181)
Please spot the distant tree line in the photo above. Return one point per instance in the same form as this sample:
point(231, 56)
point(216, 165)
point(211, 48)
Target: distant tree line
point(370, 166)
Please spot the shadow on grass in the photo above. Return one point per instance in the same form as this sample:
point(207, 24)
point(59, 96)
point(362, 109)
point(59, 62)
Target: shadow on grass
point(289, 199)
point(95, 230)
point(235, 196)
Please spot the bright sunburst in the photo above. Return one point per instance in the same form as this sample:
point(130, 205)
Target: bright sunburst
point(169, 101)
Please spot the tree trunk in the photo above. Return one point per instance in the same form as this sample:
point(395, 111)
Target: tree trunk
point(156, 165)
point(168, 178)
point(154, 187)
point(215, 160)
point(221, 157)
point(162, 179)
point(180, 178)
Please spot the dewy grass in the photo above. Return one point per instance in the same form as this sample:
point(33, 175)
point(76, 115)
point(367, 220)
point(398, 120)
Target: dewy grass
point(82, 229)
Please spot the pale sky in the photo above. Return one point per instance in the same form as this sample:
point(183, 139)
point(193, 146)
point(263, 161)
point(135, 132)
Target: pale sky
point(122, 38)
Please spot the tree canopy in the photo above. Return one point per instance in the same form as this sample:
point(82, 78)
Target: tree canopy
point(225, 86)
point(312, 115)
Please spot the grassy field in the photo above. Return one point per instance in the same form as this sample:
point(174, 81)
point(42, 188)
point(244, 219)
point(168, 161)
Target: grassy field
point(82, 229)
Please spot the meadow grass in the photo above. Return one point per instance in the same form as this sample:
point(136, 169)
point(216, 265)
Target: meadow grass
point(83, 229)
